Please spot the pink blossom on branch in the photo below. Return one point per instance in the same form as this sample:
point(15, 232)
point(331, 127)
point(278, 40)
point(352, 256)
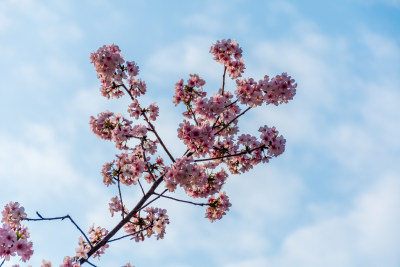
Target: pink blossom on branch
point(210, 132)
point(228, 53)
point(218, 207)
point(14, 236)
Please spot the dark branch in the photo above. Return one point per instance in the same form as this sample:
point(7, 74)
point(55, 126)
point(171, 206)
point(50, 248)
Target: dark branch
point(223, 80)
point(120, 197)
point(151, 126)
point(91, 263)
point(154, 199)
point(184, 201)
point(226, 125)
point(234, 155)
point(141, 187)
point(194, 115)
point(127, 218)
point(124, 236)
point(41, 218)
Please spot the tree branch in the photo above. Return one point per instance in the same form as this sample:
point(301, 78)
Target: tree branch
point(125, 220)
point(41, 218)
point(181, 200)
point(120, 197)
point(121, 237)
point(154, 199)
point(234, 155)
point(223, 80)
point(194, 115)
point(226, 125)
point(151, 126)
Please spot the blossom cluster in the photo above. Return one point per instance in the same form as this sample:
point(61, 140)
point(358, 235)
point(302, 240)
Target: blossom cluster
point(186, 173)
point(127, 169)
point(110, 126)
point(218, 207)
point(278, 90)
point(228, 53)
point(153, 223)
point(115, 205)
point(14, 236)
point(220, 106)
point(108, 62)
point(186, 93)
point(135, 110)
point(198, 138)
point(96, 235)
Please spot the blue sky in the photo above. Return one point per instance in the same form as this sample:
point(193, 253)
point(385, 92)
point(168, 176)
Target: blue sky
point(332, 199)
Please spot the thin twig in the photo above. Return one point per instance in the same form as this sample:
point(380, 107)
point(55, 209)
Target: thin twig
point(151, 126)
point(234, 155)
point(234, 102)
point(121, 237)
point(91, 263)
point(41, 218)
point(159, 138)
point(227, 106)
point(181, 200)
point(226, 125)
point(147, 162)
point(120, 197)
point(194, 115)
point(157, 197)
point(223, 80)
point(141, 187)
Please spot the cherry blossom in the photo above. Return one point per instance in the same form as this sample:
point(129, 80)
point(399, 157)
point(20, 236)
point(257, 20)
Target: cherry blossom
point(215, 147)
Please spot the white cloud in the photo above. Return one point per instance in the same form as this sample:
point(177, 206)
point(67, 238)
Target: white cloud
point(366, 235)
point(187, 56)
point(38, 165)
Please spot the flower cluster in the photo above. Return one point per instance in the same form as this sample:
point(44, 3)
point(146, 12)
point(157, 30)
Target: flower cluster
point(14, 236)
point(218, 106)
point(217, 207)
point(270, 138)
point(228, 53)
point(186, 93)
point(278, 90)
point(186, 173)
point(108, 62)
point(135, 110)
point(198, 139)
point(154, 223)
point(115, 205)
point(110, 126)
point(96, 235)
point(127, 169)
point(214, 183)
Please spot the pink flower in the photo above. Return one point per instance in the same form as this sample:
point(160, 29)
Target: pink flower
point(228, 53)
point(107, 61)
point(115, 205)
point(218, 207)
point(46, 263)
point(13, 214)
